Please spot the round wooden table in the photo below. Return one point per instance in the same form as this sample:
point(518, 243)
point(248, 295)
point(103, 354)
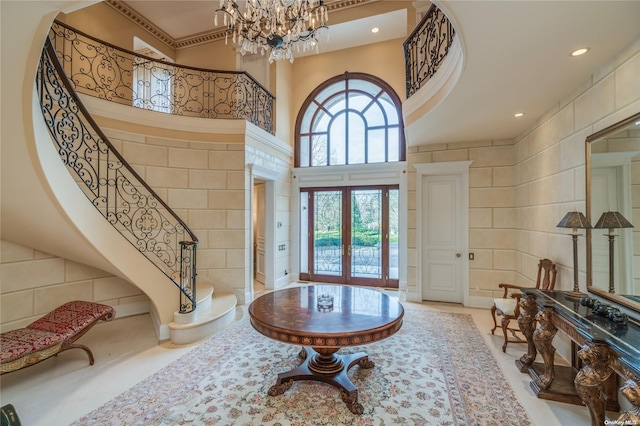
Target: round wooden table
point(356, 317)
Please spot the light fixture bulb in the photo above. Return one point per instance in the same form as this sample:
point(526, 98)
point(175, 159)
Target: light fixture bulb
point(580, 52)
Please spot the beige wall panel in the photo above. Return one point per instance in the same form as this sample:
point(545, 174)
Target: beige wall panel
point(480, 218)
point(208, 219)
point(49, 298)
point(113, 288)
point(491, 197)
point(483, 259)
point(596, 103)
point(11, 252)
point(31, 274)
point(192, 158)
point(211, 179)
point(504, 260)
point(187, 198)
point(487, 279)
point(451, 155)
point(147, 155)
point(561, 124)
point(168, 178)
point(226, 238)
point(212, 56)
point(492, 156)
point(627, 88)
point(505, 218)
point(77, 271)
point(226, 160)
point(211, 259)
point(492, 238)
point(226, 199)
point(16, 306)
point(480, 177)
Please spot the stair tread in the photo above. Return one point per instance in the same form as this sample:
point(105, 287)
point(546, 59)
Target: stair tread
point(221, 304)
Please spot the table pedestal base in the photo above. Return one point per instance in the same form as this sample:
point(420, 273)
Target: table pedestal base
point(324, 365)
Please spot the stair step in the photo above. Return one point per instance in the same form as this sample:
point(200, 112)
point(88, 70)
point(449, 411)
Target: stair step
point(206, 321)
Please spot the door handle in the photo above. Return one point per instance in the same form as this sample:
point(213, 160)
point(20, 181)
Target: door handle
point(458, 254)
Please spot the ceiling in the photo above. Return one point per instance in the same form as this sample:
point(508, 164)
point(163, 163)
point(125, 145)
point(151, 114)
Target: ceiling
point(516, 55)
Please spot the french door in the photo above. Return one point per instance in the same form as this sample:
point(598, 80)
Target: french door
point(350, 235)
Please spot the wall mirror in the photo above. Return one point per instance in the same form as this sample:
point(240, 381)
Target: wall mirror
point(612, 164)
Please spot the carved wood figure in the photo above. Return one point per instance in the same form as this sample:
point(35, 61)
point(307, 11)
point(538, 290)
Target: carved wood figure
point(631, 391)
point(543, 338)
point(589, 381)
point(527, 323)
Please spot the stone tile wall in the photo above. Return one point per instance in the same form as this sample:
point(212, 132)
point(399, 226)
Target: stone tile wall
point(34, 283)
point(520, 189)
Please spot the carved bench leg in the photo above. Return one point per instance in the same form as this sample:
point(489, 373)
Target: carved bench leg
point(542, 338)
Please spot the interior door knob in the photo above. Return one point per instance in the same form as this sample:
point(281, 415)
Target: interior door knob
point(458, 254)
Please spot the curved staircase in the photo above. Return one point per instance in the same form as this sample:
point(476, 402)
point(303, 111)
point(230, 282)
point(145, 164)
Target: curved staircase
point(128, 204)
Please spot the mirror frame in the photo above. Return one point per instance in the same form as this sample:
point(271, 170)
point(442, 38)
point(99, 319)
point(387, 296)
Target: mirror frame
point(588, 141)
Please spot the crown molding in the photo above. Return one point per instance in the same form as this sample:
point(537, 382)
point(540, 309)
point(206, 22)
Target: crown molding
point(207, 36)
point(139, 19)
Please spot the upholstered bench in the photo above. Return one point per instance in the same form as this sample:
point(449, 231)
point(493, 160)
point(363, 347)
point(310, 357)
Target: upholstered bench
point(53, 333)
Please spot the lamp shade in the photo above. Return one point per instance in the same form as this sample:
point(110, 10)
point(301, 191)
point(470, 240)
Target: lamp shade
point(612, 220)
point(574, 219)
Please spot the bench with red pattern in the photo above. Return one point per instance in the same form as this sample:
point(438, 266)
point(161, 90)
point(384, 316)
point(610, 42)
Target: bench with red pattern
point(55, 332)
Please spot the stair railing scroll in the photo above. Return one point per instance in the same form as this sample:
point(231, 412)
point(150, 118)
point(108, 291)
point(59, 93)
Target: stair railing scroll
point(426, 48)
point(105, 71)
point(112, 185)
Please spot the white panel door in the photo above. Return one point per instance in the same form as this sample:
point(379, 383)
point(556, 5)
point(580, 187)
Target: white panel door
point(441, 238)
point(259, 229)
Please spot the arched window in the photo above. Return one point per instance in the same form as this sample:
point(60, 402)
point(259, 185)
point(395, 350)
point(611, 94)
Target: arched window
point(352, 118)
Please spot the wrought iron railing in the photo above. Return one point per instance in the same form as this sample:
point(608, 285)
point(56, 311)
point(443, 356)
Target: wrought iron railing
point(100, 69)
point(426, 48)
point(112, 185)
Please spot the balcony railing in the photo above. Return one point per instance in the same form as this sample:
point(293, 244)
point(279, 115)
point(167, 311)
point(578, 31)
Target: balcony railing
point(102, 70)
point(426, 48)
point(112, 185)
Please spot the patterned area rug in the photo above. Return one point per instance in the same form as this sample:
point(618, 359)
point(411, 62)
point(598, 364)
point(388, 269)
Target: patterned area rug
point(437, 370)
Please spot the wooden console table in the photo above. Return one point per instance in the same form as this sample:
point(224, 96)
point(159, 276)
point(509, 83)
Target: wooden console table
point(606, 350)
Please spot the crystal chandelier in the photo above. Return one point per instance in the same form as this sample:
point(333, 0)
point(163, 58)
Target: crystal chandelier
point(275, 26)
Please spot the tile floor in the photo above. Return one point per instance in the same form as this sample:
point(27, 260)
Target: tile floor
point(61, 389)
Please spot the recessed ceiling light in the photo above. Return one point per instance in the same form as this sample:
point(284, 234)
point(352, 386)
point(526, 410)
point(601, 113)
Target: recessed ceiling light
point(518, 114)
point(375, 30)
point(580, 52)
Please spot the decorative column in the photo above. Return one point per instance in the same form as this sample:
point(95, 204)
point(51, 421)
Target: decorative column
point(542, 338)
point(589, 381)
point(527, 323)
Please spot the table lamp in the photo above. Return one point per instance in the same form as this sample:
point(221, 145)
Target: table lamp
point(612, 220)
point(575, 220)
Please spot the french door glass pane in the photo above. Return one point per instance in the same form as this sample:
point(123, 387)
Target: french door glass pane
point(327, 232)
point(393, 234)
point(304, 235)
point(366, 233)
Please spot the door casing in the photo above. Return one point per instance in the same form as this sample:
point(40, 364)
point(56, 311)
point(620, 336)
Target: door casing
point(460, 168)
